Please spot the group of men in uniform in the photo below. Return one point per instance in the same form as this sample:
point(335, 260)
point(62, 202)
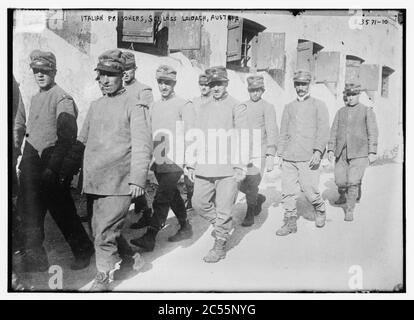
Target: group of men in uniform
point(124, 136)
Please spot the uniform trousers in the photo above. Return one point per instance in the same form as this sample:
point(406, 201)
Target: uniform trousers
point(35, 198)
point(297, 176)
point(167, 196)
point(214, 198)
point(349, 174)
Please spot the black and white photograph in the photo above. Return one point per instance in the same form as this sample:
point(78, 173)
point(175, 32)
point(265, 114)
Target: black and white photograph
point(206, 150)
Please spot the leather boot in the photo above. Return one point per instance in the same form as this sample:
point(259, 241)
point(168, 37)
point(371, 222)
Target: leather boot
point(342, 198)
point(260, 200)
point(185, 232)
point(217, 253)
point(82, 261)
point(249, 218)
point(144, 221)
point(320, 219)
point(35, 261)
point(289, 227)
point(349, 215)
point(359, 193)
point(147, 241)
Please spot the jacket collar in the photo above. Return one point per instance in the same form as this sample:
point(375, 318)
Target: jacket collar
point(301, 99)
point(117, 93)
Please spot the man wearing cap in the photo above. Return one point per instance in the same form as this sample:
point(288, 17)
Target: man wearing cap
point(168, 116)
point(144, 94)
point(197, 102)
point(304, 134)
point(353, 145)
point(117, 152)
point(216, 176)
point(261, 116)
point(50, 132)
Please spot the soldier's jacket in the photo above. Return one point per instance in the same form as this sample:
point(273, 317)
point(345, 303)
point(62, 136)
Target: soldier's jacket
point(261, 115)
point(51, 128)
point(140, 91)
point(198, 101)
point(20, 113)
point(224, 114)
point(356, 128)
point(171, 115)
point(304, 129)
point(117, 142)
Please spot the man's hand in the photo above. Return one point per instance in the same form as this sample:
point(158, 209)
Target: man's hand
point(239, 174)
point(315, 160)
point(191, 174)
point(270, 163)
point(372, 157)
point(135, 191)
point(331, 156)
point(49, 177)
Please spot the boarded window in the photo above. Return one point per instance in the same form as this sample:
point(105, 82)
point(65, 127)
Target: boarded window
point(352, 69)
point(327, 66)
point(268, 51)
point(369, 77)
point(234, 39)
point(306, 51)
point(137, 26)
point(385, 78)
point(184, 33)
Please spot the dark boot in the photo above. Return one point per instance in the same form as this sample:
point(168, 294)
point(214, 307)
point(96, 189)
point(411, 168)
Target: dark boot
point(359, 193)
point(147, 241)
point(101, 283)
point(249, 218)
point(185, 232)
point(260, 200)
point(82, 261)
point(342, 197)
point(35, 261)
point(289, 227)
point(217, 253)
point(144, 221)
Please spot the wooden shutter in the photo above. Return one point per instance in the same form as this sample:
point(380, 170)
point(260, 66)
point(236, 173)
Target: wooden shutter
point(327, 67)
point(305, 56)
point(234, 39)
point(137, 26)
point(369, 77)
point(352, 71)
point(268, 51)
point(184, 35)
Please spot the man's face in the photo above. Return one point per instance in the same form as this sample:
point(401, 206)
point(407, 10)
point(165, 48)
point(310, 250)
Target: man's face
point(302, 88)
point(352, 98)
point(166, 87)
point(129, 75)
point(218, 88)
point(110, 82)
point(204, 89)
point(256, 94)
point(44, 78)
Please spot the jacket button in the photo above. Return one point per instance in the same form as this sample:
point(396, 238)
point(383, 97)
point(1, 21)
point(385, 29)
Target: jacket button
point(27, 135)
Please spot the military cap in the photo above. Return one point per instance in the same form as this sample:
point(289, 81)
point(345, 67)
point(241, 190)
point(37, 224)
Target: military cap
point(302, 76)
point(217, 74)
point(202, 79)
point(255, 82)
point(42, 60)
point(352, 88)
point(111, 61)
point(129, 60)
point(165, 72)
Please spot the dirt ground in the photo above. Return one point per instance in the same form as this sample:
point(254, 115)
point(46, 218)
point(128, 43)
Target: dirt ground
point(369, 249)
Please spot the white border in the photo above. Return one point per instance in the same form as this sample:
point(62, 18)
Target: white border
point(237, 4)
